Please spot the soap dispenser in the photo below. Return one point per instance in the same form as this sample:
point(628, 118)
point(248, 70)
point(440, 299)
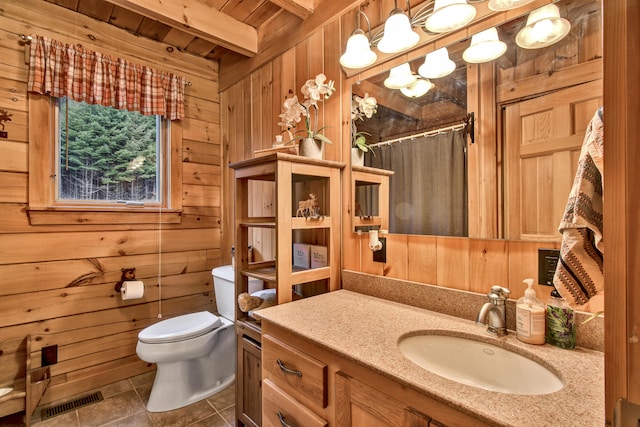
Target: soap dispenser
point(561, 328)
point(530, 316)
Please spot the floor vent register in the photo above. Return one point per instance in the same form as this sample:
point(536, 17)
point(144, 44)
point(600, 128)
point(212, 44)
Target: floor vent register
point(71, 405)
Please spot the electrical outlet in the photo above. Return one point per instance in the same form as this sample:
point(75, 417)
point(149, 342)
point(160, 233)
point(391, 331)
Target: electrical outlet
point(547, 262)
point(381, 255)
point(50, 355)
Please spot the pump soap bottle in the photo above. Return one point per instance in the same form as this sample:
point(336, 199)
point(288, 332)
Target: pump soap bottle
point(561, 328)
point(530, 316)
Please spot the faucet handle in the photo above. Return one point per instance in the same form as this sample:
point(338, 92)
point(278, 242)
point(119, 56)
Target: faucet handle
point(499, 292)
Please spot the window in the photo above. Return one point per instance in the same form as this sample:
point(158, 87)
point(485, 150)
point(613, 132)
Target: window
point(115, 167)
point(108, 156)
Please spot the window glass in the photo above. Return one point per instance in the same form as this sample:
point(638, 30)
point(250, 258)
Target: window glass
point(106, 155)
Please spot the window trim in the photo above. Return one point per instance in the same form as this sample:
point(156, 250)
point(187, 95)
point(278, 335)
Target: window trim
point(43, 208)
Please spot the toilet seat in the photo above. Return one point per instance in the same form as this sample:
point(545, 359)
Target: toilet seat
point(180, 328)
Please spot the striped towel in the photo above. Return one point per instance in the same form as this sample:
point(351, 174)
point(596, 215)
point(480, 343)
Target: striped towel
point(579, 275)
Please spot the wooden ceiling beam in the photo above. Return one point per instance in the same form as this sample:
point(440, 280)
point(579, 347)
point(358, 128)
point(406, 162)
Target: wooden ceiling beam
point(300, 8)
point(233, 69)
point(200, 20)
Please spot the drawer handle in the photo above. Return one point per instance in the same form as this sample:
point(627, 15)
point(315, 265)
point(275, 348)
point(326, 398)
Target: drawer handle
point(282, 421)
point(287, 370)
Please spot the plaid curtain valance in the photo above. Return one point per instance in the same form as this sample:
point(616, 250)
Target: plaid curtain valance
point(58, 69)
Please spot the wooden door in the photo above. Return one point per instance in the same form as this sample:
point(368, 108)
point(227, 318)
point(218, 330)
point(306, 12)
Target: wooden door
point(543, 137)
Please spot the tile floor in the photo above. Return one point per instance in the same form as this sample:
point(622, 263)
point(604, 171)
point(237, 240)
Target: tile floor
point(124, 406)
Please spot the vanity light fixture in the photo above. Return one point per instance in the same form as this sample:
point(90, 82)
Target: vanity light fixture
point(485, 46)
point(418, 89)
point(449, 15)
point(500, 5)
point(358, 53)
point(437, 64)
point(398, 34)
point(544, 28)
point(400, 77)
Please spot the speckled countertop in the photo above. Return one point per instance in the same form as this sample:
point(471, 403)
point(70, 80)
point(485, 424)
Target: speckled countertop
point(366, 330)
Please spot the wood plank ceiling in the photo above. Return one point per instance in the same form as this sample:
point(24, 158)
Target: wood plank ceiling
point(212, 29)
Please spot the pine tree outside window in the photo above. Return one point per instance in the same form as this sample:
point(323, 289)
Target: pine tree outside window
point(108, 156)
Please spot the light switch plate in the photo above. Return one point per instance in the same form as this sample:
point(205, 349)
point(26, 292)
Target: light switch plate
point(547, 262)
point(381, 255)
point(50, 355)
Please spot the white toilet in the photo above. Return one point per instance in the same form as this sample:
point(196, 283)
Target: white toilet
point(195, 353)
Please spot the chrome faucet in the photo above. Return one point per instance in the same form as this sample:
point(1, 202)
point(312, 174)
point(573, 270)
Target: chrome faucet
point(496, 310)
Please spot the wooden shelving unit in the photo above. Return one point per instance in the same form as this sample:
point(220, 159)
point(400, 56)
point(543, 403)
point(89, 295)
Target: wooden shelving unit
point(378, 181)
point(291, 179)
point(295, 178)
point(25, 385)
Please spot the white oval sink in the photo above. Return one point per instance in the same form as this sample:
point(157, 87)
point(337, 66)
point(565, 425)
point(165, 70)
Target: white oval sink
point(479, 364)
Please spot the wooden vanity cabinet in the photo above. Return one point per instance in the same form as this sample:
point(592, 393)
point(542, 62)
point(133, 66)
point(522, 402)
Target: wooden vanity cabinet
point(248, 375)
point(296, 372)
point(280, 409)
point(295, 384)
point(355, 395)
point(361, 404)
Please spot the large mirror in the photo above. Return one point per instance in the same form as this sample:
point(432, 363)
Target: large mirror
point(522, 106)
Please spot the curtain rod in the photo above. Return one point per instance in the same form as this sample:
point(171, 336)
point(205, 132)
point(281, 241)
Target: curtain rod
point(466, 125)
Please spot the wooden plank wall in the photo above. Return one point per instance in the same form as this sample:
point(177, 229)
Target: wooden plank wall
point(57, 282)
point(250, 110)
point(621, 205)
point(250, 121)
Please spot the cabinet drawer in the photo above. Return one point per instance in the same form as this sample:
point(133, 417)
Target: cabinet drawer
point(297, 373)
point(279, 410)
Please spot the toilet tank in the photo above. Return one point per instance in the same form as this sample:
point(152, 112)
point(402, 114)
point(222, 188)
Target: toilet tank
point(224, 289)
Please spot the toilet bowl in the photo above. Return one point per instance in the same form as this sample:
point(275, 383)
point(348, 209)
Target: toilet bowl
point(195, 353)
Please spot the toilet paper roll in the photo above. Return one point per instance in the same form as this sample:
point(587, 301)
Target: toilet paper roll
point(374, 243)
point(132, 289)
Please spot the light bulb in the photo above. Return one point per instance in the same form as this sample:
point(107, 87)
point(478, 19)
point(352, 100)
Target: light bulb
point(400, 77)
point(437, 64)
point(485, 46)
point(358, 53)
point(541, 31)
point(544, 28)
point(418, 89)
point(449, 15)
point(398, 34)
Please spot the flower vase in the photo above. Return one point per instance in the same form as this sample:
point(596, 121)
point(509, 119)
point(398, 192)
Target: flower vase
point(357, 157)
point(310, 147)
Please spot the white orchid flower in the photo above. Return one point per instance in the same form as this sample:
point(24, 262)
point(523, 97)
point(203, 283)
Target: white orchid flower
point(313, 90)
point(369, 106)
point(365, 106)
point(355, 111)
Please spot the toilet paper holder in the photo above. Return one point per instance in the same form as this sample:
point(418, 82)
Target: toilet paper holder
point(374, 242)
point(127, 274)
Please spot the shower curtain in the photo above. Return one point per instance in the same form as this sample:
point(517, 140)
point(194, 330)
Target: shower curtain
point(428, 191)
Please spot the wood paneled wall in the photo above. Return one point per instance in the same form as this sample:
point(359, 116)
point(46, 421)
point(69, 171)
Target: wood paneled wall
point(57, 282)
point(249, 122)
point(250, 110)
